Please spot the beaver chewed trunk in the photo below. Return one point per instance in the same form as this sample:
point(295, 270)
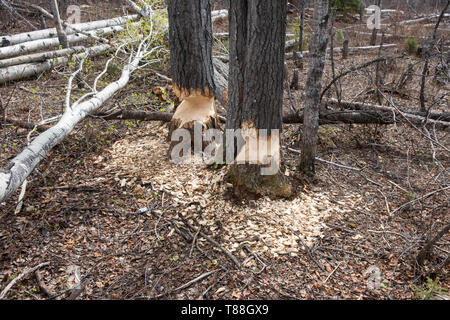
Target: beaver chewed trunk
point(254, 115)
point(190, 37)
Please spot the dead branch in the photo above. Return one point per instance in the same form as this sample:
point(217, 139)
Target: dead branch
point(42, 285)
point(212, 241)
point(426, 250)
point(188, 284)
point(20, 276)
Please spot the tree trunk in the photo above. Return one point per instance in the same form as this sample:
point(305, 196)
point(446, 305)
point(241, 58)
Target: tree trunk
point(254, 115)
point(302, 26)
point(38, 57)
point(59, 28)
point(345, 49)
point(314, 86)
point(362, 10)
point(190, 38)
point(373, 39)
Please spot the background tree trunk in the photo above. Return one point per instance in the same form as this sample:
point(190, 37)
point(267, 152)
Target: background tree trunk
point(257, 45)
point(58, 25)
point(318, 48)
point(373, 39)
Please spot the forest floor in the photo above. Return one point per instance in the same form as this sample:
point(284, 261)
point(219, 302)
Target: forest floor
point(108, 207)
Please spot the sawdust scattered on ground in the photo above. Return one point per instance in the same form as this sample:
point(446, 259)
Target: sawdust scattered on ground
point(266, 226)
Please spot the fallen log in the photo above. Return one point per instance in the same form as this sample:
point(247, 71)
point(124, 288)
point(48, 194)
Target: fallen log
point(31, 46)
point(18, 169)
point(395, 113)
point(350, 49)
point(25, 124)
point(39, 57)
point(23, 71)
point(51, 33)
point(435, 16)
point(325, 117)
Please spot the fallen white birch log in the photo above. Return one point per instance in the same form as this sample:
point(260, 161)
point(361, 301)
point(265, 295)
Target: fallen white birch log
point(27, 70)
point(51, 33)
point(435, 16)
point(351, 49)
point(218, 15)
point(27, 47)
point(18, 169)
point(39, 57)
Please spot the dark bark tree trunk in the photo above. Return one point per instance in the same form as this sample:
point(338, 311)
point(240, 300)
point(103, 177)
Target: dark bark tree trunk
point(257, 43)
point(302, 25)
point(373, 39)
point(58, 24)
point(318, 49)
point(345, 49)
point(190, 38)
point(362, 9)
point(430, 48)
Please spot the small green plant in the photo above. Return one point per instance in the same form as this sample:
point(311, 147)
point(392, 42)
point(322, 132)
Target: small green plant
point(339, 36)
point(294, 27)
point(432, 289)
point(410, 196)
point(345, 6)
point(113, 69)
point(412, 45)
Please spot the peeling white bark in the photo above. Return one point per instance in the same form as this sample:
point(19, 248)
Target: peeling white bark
point(4, 178)
point(39, 57)
point(23, 71)
point(51, 33)
point(18, 169)
point(31, 46)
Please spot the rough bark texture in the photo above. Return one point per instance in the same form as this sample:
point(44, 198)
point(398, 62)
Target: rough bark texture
point(314, 86)
point(190, 37)
point(345, 49)
point(302, 26)
point(373, 39)
point(257, 46)
point(59, 29)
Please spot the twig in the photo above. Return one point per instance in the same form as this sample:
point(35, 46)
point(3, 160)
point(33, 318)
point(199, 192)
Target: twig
point(308, 251)
point(429, 246)
point(212, 241)
point(332, 272)
point(184, 286)
point(419, 199)
point(42, 285)
point(23, 274)
point(329, 162)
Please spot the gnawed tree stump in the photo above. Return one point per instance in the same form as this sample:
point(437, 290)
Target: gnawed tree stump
point(190, 30)
point(254, 113)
